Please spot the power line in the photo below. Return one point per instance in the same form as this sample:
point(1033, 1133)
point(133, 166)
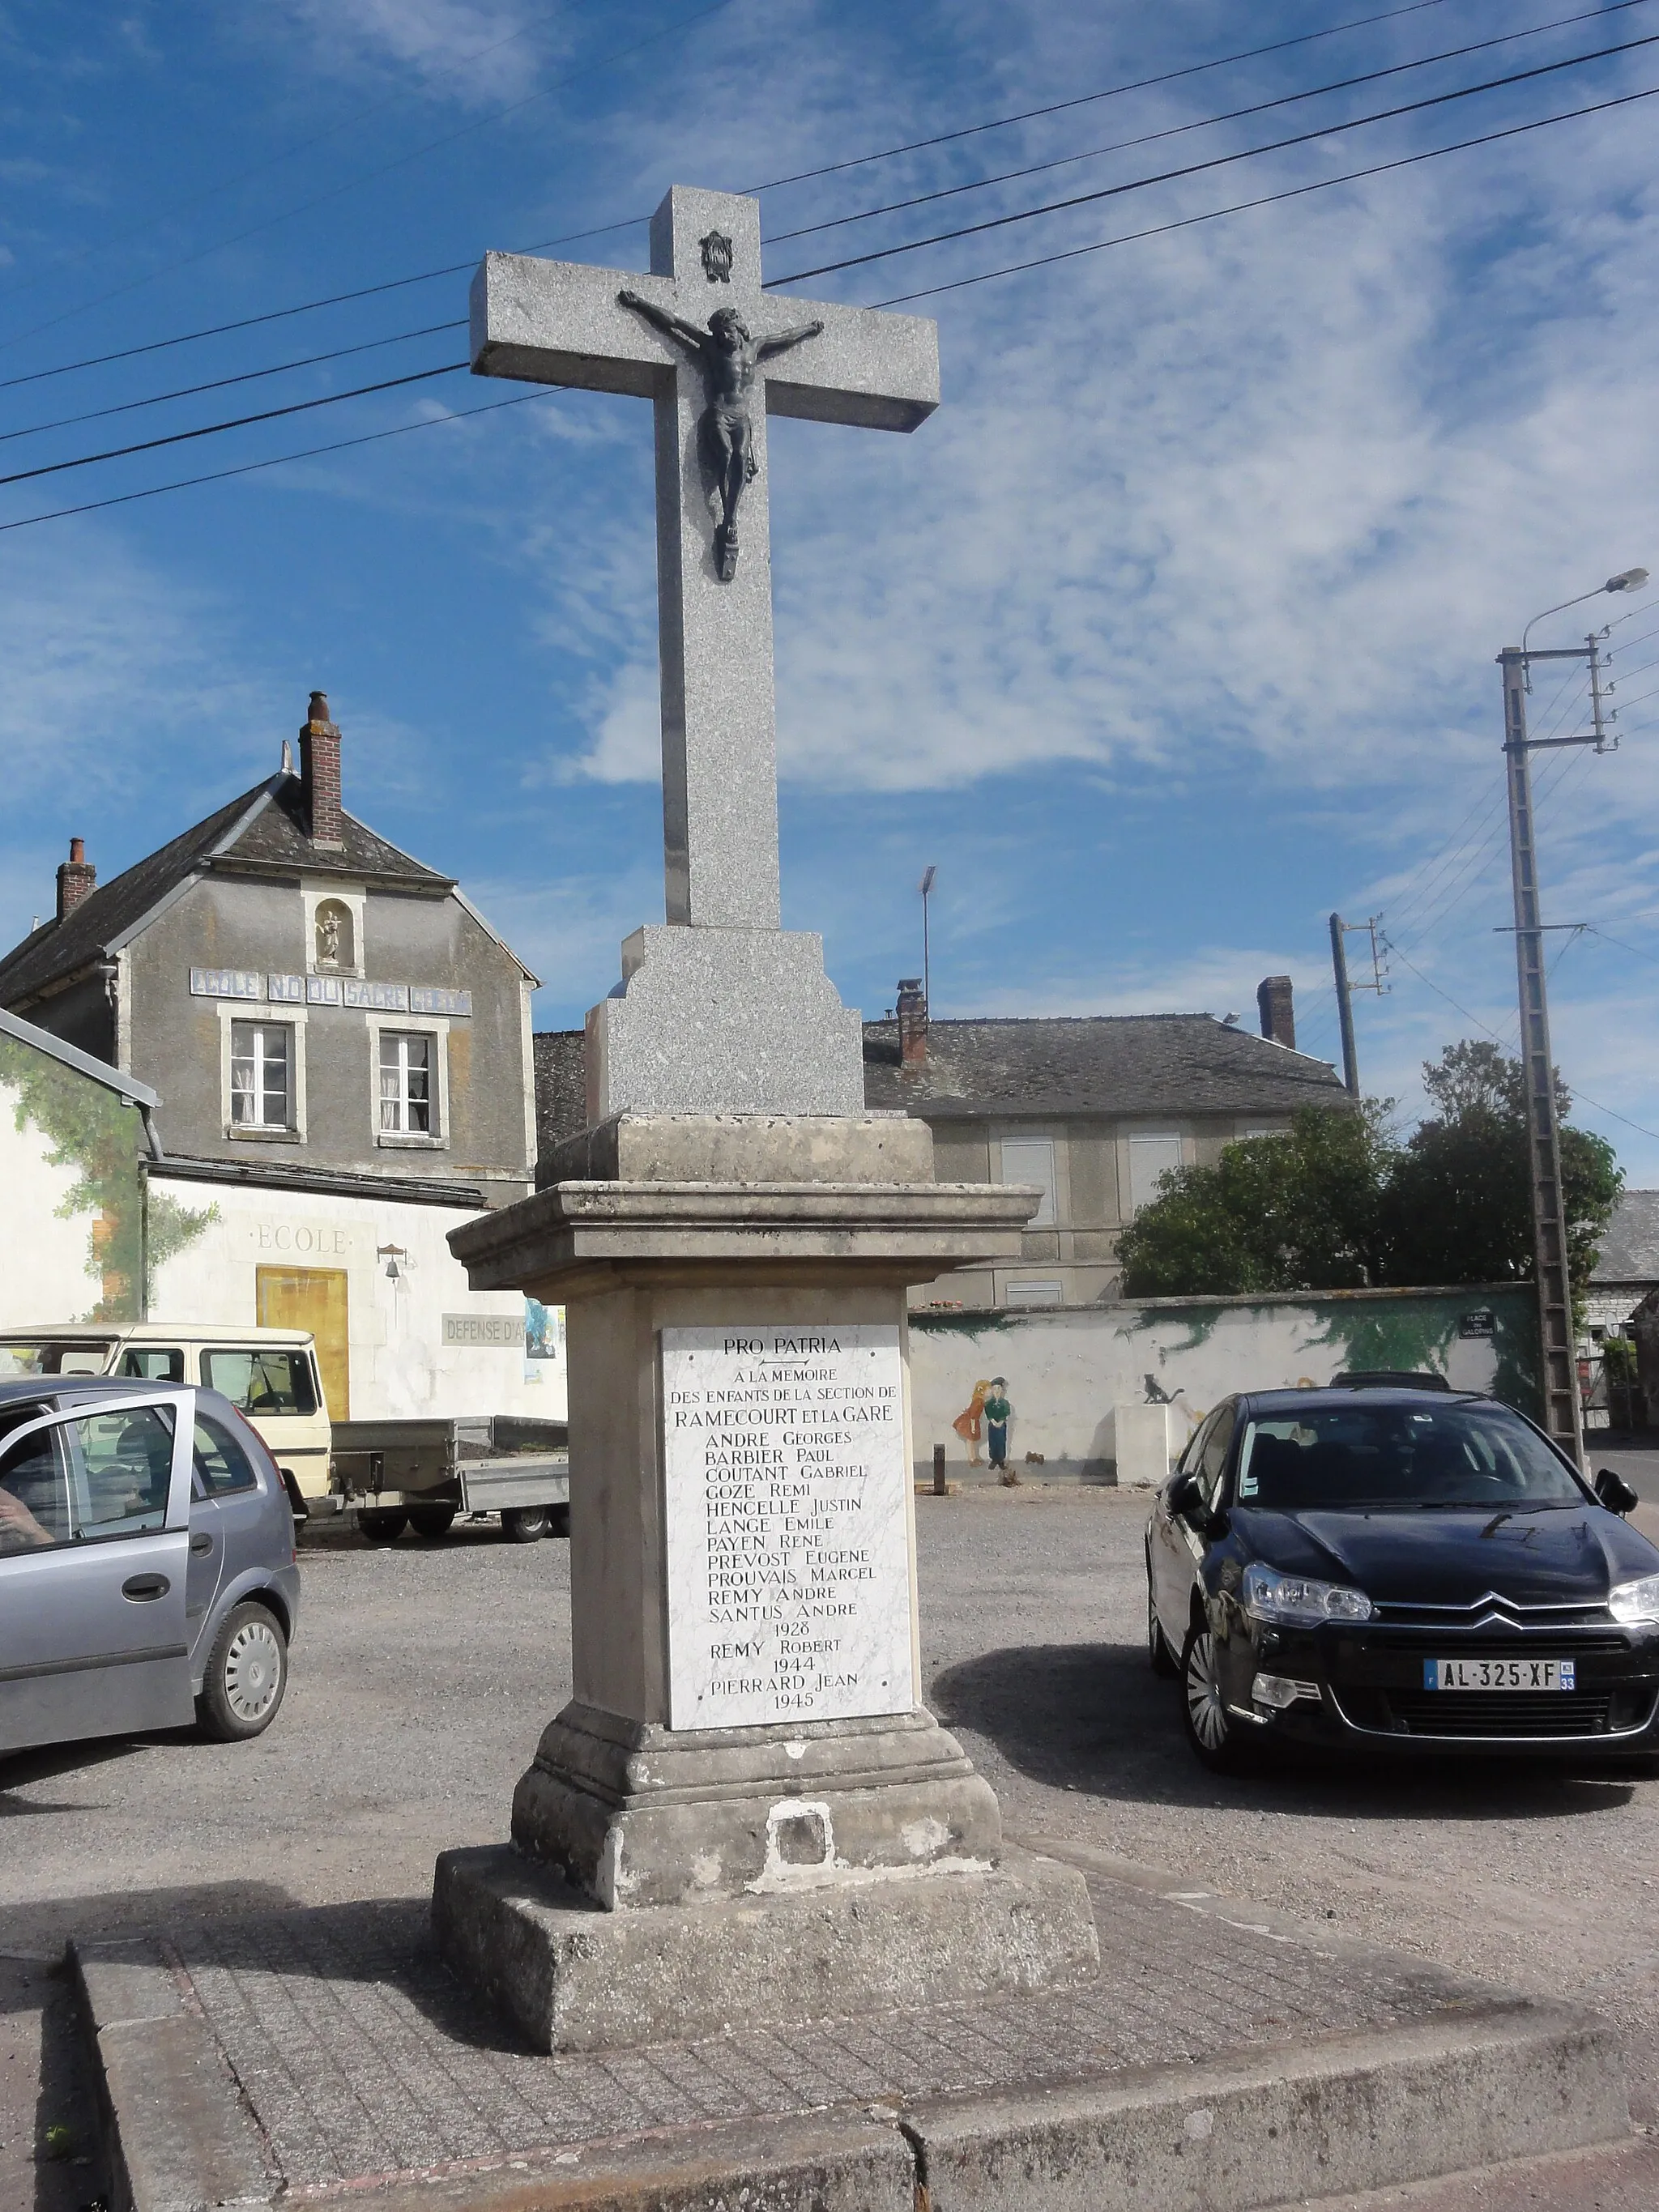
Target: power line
point(251, 468)
point(417, 153)
point(1446, 995)
point(1216, 162)
point(220, 383)
point(237, 422)
point(862, 161)
point(1087, 98)
point(302, 146)
point(1201, 123)
point(1404, 162)
point(1268, 199)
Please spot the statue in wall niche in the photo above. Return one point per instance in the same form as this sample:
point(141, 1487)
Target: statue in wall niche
point(728, 356)
point(333, 939)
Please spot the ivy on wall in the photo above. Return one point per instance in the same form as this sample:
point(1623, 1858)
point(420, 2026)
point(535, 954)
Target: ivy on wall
point(92, 1131)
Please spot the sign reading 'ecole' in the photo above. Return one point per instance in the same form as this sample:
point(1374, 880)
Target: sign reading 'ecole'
point(250, 984)
point(788, 1547)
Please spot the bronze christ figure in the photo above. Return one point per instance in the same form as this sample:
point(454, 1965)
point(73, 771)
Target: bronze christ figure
point(727, 357)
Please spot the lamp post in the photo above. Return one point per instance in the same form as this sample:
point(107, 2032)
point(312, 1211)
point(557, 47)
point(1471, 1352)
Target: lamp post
point(1563, 1411)
point(928, 874)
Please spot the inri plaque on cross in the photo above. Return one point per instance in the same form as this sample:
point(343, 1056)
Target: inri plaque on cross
point(717, 356)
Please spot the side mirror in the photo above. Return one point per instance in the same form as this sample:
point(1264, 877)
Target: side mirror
point(1186, 1499)
point(1614, 1493)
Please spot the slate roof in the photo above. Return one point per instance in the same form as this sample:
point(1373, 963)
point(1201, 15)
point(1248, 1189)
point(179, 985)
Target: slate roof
point(260, 830)
point(1095, 1064)
point(561, 1086)
point(1630, 1250)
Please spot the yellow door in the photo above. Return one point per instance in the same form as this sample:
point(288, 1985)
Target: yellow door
point(313, 1298)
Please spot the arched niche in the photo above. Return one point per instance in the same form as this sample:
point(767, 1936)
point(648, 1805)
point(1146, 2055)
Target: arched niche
point(332, 930)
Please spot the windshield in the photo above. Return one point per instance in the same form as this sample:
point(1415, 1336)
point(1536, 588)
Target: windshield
point(43, 1356)
point(1365, 1457)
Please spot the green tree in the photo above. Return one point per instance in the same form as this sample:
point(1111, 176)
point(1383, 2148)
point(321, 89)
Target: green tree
point(1296, 1212)
point(1337, 1203)
point(1457, 1207)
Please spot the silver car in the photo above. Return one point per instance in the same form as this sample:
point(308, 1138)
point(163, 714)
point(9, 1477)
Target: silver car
point(147, 1567)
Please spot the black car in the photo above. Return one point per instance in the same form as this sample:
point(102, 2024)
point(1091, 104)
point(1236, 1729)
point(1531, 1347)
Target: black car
point(1411, 1568)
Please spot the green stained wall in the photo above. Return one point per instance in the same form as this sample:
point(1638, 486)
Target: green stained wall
point(86, 1129)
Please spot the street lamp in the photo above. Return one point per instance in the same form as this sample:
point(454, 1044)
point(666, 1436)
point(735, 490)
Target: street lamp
point(1563, 1411)
point(1627, 579)
point(926, 887)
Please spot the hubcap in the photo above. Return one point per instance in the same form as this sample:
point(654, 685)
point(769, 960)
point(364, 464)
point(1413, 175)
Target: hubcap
point(253, 1670)
point(1204, 1707)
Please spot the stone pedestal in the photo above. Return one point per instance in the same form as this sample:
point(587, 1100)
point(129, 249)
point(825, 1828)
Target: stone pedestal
point(1141, 1445)
point(742, 1543)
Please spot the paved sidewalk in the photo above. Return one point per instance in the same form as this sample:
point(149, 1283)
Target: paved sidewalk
point(361, 2061)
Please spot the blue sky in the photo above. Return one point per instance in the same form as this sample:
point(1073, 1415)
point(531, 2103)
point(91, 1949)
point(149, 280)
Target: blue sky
point(1172, 631)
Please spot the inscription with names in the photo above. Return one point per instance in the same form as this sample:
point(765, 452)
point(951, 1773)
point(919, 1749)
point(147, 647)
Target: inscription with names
point(785, 1476)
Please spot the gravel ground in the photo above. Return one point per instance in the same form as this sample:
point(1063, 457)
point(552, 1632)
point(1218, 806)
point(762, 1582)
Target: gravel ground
point(422, 1678)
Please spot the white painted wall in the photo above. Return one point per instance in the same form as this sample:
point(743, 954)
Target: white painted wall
point(400, 1365)
point(46, 1276)
point(1068, 1370)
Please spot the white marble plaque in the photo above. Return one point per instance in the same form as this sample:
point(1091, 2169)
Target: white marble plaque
point(788, 1548)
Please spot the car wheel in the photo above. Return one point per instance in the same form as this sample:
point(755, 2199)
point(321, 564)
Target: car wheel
point(247, 1675)
point(525, 1524)
point(431, 1522)
point(1158, 1648)
point(381, 1524)
point(1212, 1731)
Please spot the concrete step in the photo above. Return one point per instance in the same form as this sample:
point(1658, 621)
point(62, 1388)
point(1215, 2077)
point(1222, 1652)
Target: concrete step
point(1224, 2059)
point(1616, 2177)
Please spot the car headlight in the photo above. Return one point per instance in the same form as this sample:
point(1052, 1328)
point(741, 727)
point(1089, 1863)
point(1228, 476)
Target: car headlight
point(1636, 1601)
point(1269, 1595)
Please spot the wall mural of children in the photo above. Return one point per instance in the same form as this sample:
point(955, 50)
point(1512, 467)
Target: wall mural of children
point(998, 1413)
point(967, 1422)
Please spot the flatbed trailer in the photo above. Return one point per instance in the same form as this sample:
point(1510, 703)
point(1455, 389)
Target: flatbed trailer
point(424, 1473)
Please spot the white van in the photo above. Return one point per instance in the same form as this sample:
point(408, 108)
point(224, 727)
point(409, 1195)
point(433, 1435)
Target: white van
point(394, 1474)
point(269, 1375)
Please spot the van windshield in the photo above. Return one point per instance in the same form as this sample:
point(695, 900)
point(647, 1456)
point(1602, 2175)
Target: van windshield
point(46, 1356)
point(262, 1381)
point(1372, 1458)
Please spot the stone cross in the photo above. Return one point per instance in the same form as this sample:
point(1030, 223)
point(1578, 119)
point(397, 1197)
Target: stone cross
point(562, 322)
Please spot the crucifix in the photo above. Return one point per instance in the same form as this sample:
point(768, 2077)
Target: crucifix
point(716, 356)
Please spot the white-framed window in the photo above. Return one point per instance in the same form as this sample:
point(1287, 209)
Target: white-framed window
point(1031, 1159)
point(1030, 1293)
point(1151, 1158)
point(261, 1075)
point(408, 1085)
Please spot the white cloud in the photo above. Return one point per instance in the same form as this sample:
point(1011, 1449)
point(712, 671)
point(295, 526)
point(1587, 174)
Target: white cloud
point(117, 722)
point(468, 50)
point(626, 744)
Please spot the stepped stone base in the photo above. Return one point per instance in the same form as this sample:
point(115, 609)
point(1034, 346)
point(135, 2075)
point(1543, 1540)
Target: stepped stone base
point(573, 1976)
point(638, 1814)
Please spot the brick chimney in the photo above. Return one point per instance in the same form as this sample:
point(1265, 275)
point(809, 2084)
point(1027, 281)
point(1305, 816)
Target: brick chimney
point(77, 878)
point(1273, 997)
point(912, 1023)
point(319, 775)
